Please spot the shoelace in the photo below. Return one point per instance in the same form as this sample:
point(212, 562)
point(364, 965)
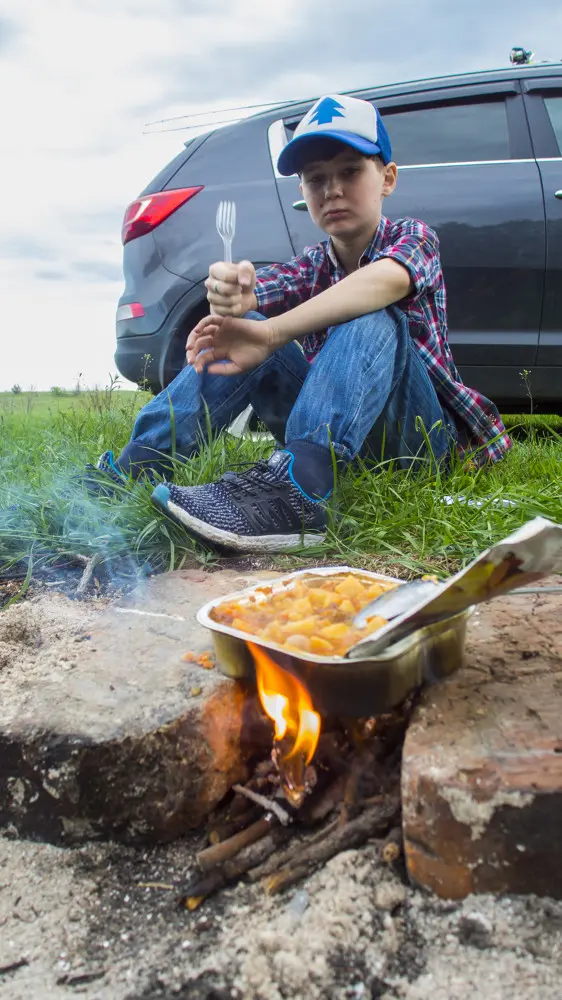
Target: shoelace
point(245, 482)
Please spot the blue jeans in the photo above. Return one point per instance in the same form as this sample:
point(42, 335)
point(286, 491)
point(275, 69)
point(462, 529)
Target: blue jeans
point(362, 394)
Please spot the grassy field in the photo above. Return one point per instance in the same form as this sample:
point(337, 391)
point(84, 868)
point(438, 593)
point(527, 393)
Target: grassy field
point(392, 520)
point(44, 406)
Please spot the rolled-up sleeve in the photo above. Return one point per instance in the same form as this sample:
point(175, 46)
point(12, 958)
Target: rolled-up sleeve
point(416, 247)
point(283, 286)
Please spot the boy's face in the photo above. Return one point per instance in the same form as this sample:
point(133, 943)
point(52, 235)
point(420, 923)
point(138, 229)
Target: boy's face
point(344, 194)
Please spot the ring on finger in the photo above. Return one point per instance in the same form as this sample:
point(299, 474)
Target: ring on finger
point(216, 287)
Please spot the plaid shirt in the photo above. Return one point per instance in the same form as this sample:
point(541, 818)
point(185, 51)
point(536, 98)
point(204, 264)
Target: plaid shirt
point(281, 287)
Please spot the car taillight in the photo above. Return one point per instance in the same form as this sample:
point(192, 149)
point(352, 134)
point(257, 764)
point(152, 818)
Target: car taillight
point(147, 212)
point(131, 310)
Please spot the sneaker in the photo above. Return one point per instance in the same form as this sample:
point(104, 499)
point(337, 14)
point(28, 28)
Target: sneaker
point(258, 510)
point(104, 476)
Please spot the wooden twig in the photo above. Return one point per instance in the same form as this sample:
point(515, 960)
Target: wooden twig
point(269, 804)
point(373, 800)
point(362, 763)
point(89, 567)
point(155, 885)
point(278, 861)
point(202, 885)
point(356, 832)
point(80, 978)
point(285, 878)
point(331, 755)
point(392, 845)
point(221, 830)
point(291, 853)
point(240, 804)
point(225, 849)
point(327, 802)
point(13, 966)
point(323, 833)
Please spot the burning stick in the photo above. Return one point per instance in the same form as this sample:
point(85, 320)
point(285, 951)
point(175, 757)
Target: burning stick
point(297, 726)
point(261, 800)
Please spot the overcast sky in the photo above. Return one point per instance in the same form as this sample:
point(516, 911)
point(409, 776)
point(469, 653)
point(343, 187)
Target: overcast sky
point(80, 79)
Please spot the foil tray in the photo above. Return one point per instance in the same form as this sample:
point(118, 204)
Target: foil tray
point(352, 686)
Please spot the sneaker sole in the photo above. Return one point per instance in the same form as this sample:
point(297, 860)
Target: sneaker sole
point(229, 539)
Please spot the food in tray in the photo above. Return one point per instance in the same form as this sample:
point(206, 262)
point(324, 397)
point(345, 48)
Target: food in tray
point(311, 614)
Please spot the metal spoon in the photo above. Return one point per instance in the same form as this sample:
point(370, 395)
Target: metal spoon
point(403, 598)
point(395, 602)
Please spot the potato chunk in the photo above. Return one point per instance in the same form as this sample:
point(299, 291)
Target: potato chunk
point(310, 615)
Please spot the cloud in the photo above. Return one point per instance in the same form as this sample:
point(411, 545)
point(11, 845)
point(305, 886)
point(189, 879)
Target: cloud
point(324, 47)
point(98, 270)
point(25, 247)
point(72, 147)
point(44, 274)
point(220, 55)
point(88, 223)
point(9, 32)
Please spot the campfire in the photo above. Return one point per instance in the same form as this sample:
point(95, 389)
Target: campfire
point(297, 726)
point(327, 776)
point(326, 785)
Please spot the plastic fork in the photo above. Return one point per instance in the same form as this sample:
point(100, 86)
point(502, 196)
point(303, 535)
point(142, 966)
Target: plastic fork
point(226, 226)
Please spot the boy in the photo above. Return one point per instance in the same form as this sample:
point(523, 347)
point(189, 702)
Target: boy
point(368, 305)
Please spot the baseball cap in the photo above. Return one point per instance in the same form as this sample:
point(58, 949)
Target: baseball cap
point(349, 120)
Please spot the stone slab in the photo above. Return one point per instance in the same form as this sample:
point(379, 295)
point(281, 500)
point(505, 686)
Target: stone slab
point(128, 740)
point(482, 764)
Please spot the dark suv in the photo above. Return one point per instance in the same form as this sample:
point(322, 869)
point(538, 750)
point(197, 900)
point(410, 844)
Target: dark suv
point(480, 160)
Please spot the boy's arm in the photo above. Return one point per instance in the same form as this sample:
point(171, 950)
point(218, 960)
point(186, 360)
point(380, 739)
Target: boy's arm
point(409, 267)
point(235, 289)
point(374, 286)
point(281, 287)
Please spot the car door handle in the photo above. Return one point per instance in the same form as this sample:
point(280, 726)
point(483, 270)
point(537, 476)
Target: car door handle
point(300, 206)
point(557, 194)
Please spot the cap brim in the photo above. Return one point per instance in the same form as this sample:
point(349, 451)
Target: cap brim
point(291, 156)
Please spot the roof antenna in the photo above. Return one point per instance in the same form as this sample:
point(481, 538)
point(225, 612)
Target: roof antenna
point(520, 57)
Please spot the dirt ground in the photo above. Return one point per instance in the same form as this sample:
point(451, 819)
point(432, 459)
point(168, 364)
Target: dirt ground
point(83, 921)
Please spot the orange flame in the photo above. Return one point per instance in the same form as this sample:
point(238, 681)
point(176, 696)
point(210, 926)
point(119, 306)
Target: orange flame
point(287, 702)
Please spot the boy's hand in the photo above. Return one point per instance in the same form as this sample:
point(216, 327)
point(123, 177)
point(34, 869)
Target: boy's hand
point(228, 346)
point(230, 288)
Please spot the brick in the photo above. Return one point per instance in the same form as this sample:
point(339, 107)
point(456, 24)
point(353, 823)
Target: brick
point(482, 764)
point(132, 742)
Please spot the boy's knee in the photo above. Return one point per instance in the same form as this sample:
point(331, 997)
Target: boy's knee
point(381, 322)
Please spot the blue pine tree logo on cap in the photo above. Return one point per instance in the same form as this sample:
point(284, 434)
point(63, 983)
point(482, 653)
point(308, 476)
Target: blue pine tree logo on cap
point(326, 111)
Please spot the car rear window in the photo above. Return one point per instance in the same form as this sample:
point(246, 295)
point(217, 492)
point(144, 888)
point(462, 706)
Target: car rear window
point(449, 133)
point(554, 109)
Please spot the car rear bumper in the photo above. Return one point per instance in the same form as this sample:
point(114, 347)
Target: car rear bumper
point(158, 356)
point(138, 357)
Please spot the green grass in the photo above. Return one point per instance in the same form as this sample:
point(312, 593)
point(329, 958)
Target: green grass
point(391, 520)
point(45, 405)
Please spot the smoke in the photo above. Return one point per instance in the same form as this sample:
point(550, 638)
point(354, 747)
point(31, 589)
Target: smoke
point(61, 530)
